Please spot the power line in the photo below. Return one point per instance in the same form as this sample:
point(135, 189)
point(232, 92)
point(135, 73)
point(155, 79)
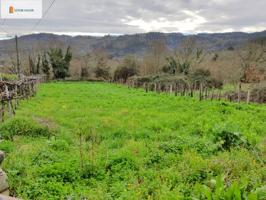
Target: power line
point(44, 14)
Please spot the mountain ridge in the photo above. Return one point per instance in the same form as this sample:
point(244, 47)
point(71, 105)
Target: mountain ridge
point(119, 46)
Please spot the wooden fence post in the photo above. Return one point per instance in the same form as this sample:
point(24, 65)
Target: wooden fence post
point(212, 93)
point(16, 95)
point(171, 89)
point(2, 109)
point(159, 88)
point(200, 92)
point(239, 93)
point(10, 110)
point(248, 96)
point(176, 89)
point(192, 90)
point(219, 94)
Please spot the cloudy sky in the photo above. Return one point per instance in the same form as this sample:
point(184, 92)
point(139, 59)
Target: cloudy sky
point(99, 17)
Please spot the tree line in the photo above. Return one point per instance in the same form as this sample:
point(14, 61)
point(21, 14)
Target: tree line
point(189, 60)
point(54, 63)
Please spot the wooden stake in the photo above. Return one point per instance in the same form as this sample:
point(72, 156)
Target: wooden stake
point(239, 93)
point(248, 97)
point(9, 101)
point(3, 110)
point(171, 89)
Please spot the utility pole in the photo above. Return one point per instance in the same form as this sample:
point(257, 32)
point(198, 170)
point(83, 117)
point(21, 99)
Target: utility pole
point(18, 62)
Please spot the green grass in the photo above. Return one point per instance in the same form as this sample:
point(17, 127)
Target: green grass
point(134, 145)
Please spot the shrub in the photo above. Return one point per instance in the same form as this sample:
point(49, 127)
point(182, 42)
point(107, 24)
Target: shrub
point(171, 66)
point(197, 176)
point(59, 145)
point(127, 69)
point(155, 158)
point(172, 147)
point(49, 190)
point(45, 157)
point(22, 127)
point(219, 190)
point(258, 94)
point(90, 171)
point(119, 168)
point(61, 172)
point(227, 140)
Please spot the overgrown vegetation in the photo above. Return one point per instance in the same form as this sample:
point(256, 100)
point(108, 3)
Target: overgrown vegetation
point(118, 143)
point(22, 127)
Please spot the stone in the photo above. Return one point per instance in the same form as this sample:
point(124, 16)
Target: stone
point(4, 188)
point(2, 157)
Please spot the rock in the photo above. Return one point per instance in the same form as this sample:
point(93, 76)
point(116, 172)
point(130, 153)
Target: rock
point(2, 157)
point(3, 197)
point(4, 188)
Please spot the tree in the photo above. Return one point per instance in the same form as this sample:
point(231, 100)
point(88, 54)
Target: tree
point(128, 68)
point(32, 65)
point(171, 66)
point(102, 72)
point(45, 66)
point(38, 64)
point(60, 63)
point(85, 65)
point(157, 53)
point(189, 56)
point(253, 60)
point(101, 58)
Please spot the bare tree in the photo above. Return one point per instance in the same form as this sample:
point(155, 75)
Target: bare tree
point(157, 53)
point(101, 58)
point(253, 59)
point(85, 65)
point(189, 55)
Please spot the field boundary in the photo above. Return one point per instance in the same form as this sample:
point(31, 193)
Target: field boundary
point(201, 90)
point(11, 92)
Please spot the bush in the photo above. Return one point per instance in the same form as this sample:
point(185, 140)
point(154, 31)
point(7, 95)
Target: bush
point(102, 72)
point(61, 172)
point(127, 69)
point(119, 168)
point(49, 190)
point(59, 145)
point(90, 171)
point(175, 147)
point(219, 190)
point(45, 157)
point(22, 127)
point(227, 140)
point(258, 94)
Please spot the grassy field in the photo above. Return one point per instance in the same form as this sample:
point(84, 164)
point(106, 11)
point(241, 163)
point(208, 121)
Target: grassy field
point(102, 141)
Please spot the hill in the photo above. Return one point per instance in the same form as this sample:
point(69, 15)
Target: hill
point(118, 46)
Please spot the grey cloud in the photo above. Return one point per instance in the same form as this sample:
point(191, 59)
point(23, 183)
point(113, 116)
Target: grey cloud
point(126, 16)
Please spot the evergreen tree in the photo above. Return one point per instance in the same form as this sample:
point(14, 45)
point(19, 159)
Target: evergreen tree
point(60, 63)
point(45, 66)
